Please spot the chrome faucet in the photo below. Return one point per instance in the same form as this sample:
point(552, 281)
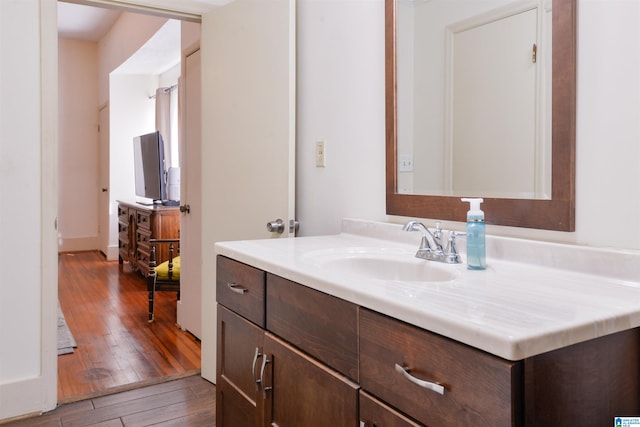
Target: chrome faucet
point(431, 246)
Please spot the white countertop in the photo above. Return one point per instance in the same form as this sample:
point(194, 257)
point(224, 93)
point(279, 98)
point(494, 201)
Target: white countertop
point(513, 309)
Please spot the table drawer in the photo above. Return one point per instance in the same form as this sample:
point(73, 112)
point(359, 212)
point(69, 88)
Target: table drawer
point(241, 288)
point(123, 214)
point(142, 239)
point(143, 260)
point(405, 365)
point(322, 325)
point(143, 220)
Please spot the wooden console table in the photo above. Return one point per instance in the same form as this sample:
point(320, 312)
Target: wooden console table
point(137, 224)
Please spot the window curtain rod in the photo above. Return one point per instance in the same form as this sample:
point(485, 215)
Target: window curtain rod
point(166, 89)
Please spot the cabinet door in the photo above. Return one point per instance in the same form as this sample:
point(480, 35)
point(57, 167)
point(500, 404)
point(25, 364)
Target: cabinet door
point(238, 397)
point(304, 392)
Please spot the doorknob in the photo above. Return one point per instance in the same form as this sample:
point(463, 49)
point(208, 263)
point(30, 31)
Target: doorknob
point(104, 190)
point(276, 226)
point(185, 208)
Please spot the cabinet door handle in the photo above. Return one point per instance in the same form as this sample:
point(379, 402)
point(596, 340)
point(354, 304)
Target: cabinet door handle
point(234, 287)
point(265, 389)
point(433, 386)
point(256, 356)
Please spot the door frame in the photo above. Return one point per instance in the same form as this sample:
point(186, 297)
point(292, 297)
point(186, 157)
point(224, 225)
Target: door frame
point(50, 169)
point(47, 385)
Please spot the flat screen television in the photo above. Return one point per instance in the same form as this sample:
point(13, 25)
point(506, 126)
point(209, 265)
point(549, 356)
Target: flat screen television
point(149, 167)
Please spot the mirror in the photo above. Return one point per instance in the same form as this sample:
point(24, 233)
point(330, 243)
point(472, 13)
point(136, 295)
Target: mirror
point(548, 202)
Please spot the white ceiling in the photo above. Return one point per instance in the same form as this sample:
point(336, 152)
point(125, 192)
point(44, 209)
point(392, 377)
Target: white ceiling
point(160, 53)
point(76, 21)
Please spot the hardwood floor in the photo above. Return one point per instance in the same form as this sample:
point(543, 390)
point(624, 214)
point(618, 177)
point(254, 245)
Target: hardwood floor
point(185, 402)
point(105, 305)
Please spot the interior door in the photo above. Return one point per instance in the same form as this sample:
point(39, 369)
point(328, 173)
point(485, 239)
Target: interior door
point(103, 165)
point(189, 306)
point(248, 115)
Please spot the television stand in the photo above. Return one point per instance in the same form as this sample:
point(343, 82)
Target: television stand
point(137, 225)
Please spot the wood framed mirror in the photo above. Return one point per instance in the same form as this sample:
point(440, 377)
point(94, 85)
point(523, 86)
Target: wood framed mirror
point(557, 212)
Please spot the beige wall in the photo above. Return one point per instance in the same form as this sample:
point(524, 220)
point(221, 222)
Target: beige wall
point(78, 144)
point(128, 34)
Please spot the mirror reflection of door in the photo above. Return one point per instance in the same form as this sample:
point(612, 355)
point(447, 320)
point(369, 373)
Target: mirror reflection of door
point(493, 109)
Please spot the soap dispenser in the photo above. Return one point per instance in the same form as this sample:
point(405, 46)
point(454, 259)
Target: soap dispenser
point(476, 252)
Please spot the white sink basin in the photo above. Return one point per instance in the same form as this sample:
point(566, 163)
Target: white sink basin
point(383, 264)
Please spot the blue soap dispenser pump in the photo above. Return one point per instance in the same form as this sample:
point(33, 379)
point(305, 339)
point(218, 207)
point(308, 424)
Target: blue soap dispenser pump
point(476, 252)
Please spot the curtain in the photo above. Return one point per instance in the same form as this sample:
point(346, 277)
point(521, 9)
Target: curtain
point(163, 120)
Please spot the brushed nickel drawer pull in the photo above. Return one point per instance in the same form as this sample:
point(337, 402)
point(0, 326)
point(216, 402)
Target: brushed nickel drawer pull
point(433, 386)
point(237, 288)
point(256, 356)
point(265, 389)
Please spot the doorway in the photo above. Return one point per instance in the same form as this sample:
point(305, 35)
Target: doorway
point(107, 354)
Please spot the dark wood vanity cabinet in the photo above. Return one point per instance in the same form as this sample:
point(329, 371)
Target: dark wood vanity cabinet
point(262, 379)
point(137, 224)
point(289, 355)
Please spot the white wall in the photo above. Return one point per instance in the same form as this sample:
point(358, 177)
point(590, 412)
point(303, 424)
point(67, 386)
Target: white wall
point(608, 129)
point(341, 100)
point(28, 196)
point(20, 173)
point(132, 114)
point(78, 145)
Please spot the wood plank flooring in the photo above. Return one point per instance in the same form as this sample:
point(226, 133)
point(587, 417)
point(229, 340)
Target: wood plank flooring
point(105, 305)
point(185, 402)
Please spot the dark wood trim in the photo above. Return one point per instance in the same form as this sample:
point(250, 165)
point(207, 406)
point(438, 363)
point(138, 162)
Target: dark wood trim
point(555, 214)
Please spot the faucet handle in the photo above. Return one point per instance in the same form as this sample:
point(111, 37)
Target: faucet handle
point(451, 252)
point(438, 231)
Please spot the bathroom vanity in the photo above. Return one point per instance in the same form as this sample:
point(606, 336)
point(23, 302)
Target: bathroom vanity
point(351, 330)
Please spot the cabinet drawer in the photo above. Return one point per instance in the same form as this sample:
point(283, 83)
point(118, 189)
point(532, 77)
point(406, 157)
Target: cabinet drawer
point(324, 326)
point(479, 388)
point(374, 413)
point(143, 220)
point(241, 288)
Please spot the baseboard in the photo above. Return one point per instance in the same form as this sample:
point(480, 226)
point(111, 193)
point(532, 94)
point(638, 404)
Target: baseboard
point(21, 398)
point(112, 253)
point(78, 244)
